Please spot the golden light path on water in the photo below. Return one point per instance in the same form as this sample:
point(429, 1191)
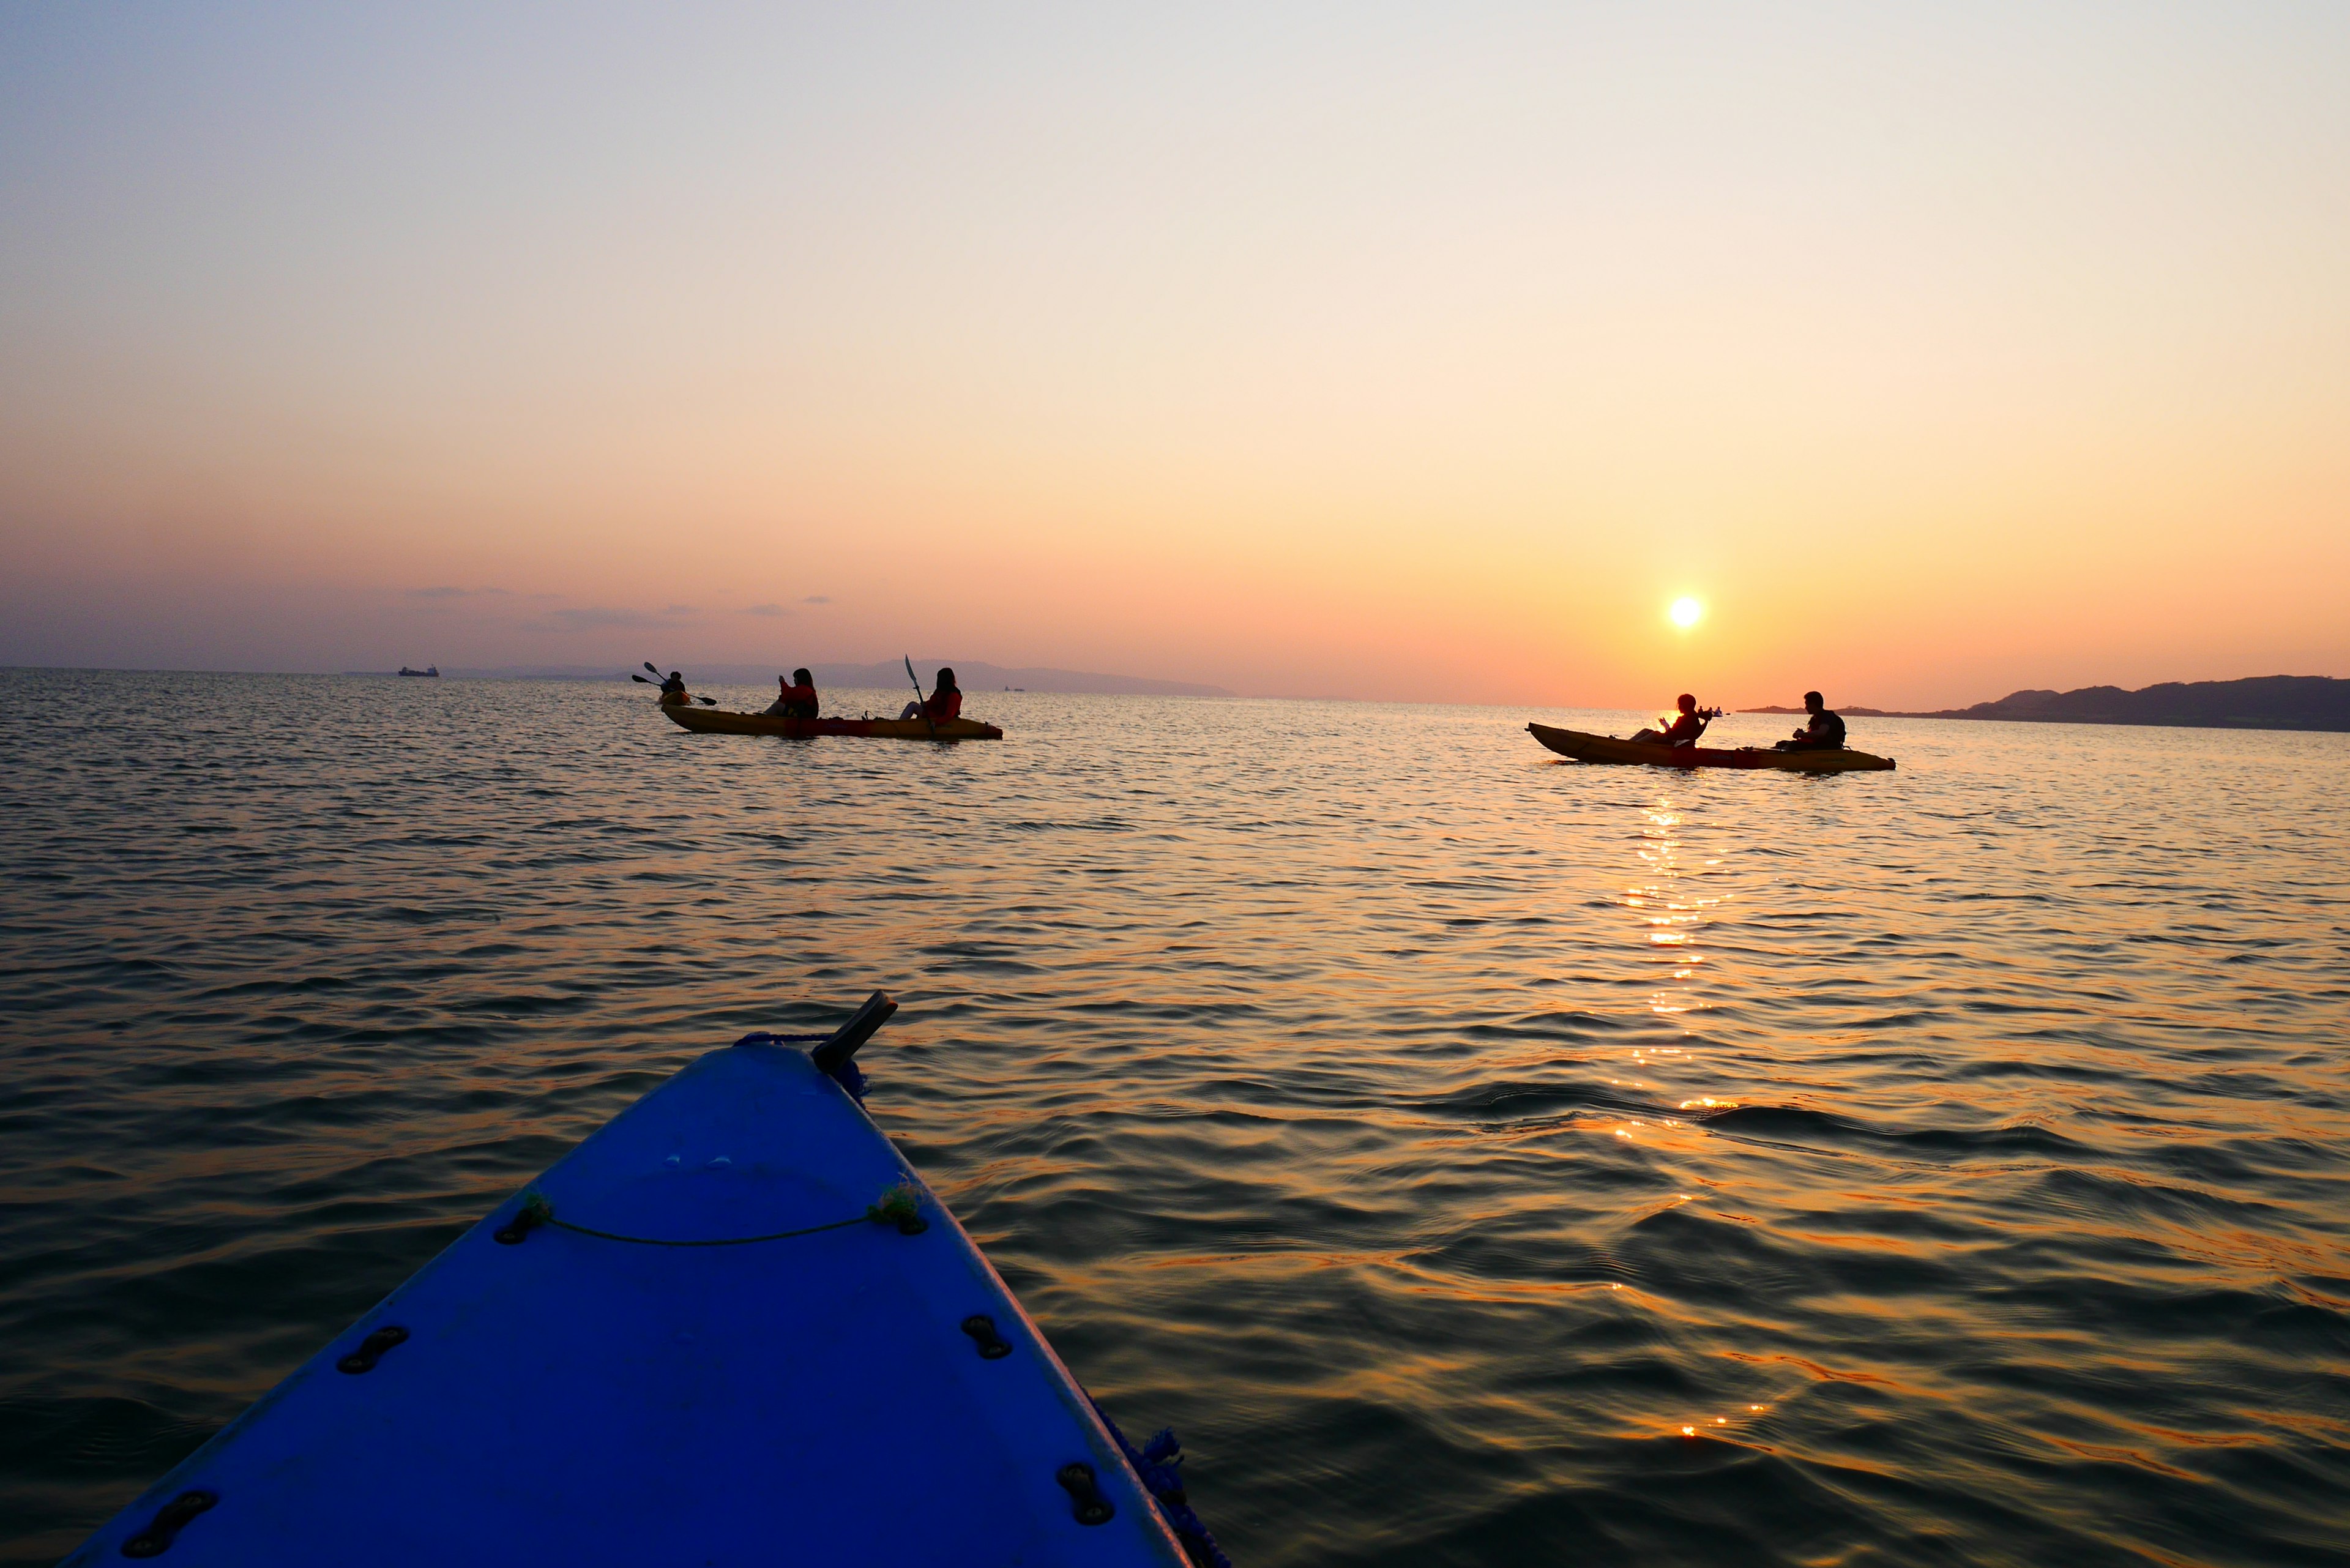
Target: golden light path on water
point(1478, 1158)
point(1673, 912)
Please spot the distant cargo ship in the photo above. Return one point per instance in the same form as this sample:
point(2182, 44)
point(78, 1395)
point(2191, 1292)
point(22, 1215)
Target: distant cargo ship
point(431, 669)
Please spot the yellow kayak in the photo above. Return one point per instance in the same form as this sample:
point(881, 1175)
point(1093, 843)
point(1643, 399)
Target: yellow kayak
point(1588, 748)
point(722, 721)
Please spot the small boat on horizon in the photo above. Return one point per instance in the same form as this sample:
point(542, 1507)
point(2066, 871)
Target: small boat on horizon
point(431, 669)
point(1585, 747)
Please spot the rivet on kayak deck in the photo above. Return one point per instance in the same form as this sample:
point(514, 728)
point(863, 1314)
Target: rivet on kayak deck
point(1092, 1507)
point(993, 1347)
point(371, 1349)
point(156, 1539)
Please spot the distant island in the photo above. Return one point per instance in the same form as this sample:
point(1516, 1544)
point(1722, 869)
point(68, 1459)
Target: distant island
point(2263, 702)
point(973, 675)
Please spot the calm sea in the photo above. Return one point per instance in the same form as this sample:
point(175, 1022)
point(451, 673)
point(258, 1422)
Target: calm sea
point(1479, 1158)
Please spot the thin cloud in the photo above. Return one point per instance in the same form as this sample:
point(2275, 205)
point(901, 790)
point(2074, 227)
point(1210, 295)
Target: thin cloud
point(599, 617)
point(446, 592)
point(817, 599)
point(766, 611)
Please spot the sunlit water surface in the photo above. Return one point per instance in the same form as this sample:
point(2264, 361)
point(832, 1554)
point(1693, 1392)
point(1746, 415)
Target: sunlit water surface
point(1480, 1159)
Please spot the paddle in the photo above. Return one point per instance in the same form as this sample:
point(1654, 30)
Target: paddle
point(642, 681)
point(918, 699)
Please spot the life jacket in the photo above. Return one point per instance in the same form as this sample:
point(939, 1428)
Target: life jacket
point(1823, 732)
point(944, 704)
point(798, 703)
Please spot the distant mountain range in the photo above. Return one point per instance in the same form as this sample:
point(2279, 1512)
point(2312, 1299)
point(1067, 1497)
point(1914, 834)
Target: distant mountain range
point(2263, 702)
point(970, 674)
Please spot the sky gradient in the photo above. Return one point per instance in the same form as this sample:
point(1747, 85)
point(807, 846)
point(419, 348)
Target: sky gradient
point(1358, 350)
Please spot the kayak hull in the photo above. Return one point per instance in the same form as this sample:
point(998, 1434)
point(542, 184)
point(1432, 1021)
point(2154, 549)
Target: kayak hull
point(725, 721)
point(687, 1386)
point(1588, 748)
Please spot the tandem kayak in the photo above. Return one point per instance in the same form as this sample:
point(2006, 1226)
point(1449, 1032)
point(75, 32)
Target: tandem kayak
point(721, 722)
point(732, 1327)
point(1587, 748)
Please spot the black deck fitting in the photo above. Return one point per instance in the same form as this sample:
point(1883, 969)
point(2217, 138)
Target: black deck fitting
point(1085, 1494)
point(993, 1347)
point(834, 1053)
point(156, 1539)
point(371, 1349)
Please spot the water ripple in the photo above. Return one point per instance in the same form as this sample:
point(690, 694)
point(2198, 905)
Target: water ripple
point(1481, 1160)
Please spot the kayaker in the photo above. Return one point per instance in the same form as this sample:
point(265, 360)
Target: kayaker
point(798, 698)
point(1684, 730)
point(1822, 732)
point(944, 702)
point(673, 693)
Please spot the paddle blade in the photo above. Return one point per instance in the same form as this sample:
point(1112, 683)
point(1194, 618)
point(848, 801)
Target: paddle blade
point(919, 697)
point(651, 666)
point(640, 680)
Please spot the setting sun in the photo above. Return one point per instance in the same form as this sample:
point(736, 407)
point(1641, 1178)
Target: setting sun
point(1685, 613)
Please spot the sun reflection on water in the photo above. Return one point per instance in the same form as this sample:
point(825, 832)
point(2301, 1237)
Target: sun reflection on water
point(1673, 913)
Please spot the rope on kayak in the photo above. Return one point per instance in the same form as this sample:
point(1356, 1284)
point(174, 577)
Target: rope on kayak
point(845, 1075)
point(1155, 1464)
point(900, 1206)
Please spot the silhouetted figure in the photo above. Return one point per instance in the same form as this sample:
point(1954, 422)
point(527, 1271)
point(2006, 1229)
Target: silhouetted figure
point(944, 702)
point(1684, 730)
point(673, 693)
point(798, 698)
point(1824, 732)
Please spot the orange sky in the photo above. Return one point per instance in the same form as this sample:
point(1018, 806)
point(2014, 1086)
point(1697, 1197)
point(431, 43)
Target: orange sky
point(1348, 351)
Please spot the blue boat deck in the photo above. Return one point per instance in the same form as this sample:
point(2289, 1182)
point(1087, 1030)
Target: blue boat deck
point(684, 1396)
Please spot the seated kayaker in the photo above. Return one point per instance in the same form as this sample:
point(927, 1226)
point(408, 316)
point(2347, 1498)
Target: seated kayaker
point(944, 702)
point(1685, 730)
point(673, 693)
point(798, 700)
point(1822, 732)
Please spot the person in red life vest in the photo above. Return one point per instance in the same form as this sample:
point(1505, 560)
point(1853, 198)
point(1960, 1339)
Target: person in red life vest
point(798, 698)
point(944, 702)
point(1684, 730)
